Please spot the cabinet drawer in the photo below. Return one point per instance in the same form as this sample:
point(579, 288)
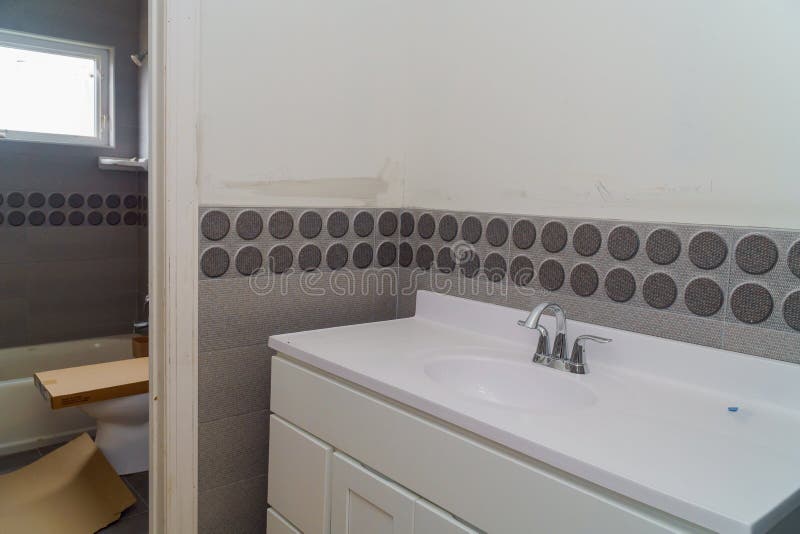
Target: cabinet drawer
point(366, 503)
point(299, 476)
point(278, 525)
point(428, 519)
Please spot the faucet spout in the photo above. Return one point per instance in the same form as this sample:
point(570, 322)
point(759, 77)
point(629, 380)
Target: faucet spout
point(560, 340)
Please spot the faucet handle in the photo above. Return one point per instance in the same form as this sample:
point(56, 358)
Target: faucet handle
point(577, 361)
point(589, 337)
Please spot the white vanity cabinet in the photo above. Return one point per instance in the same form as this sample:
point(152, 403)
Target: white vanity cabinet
point(345, 461)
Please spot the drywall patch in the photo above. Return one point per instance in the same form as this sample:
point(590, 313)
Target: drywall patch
point(361, 190)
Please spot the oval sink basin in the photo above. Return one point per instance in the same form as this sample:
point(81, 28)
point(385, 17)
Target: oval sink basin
point(522, 386)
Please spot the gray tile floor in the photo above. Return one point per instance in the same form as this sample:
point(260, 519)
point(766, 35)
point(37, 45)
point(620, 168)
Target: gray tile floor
point(132, 521)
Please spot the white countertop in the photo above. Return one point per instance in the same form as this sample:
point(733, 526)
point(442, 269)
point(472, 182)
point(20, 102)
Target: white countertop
point(660, 431)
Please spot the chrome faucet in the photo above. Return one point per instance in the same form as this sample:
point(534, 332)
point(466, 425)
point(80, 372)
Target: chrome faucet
point(544, 353)
point(554, 356)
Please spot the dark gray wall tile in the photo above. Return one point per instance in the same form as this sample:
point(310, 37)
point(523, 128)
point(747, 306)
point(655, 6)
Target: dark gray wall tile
point(232, 449)
point(233, 382)
point(239, 508)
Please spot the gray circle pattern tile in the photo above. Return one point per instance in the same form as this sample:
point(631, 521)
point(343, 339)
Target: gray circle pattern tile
point(16, 200)
point(130, 201)
point(791, 310)
point(623, 243)
point(248, 260)
point(131, 218)
point(424, 257)
point(707, 250)
point(16, 218)
point(280, 259)
point(338, 224)
point(445, 261)
point(309, 258)
point(497, 232)
point(57, 218)
point(448, 227)
point(470, 264)
point(524, 234)
point(75, 200)
point(363, 223)
point(495, 265)
point(56, 200)
point(756, 254)
point(471, 229)
point(587, 240)
point(584, 280)
point(280, 224)
point(113, 218)
point(76, 218)
point(249, 224)
point(663, 246)
point(215, 225)
point(36, 200)
point(387, 223)
point(387, 254)
point(406, 254)
point(406, 224)
point(362, 255)
point(554, 237)
point(214, 262)
point(551, 275)
point(336, 256)
point(426, 226)
point(36, 218)
point(751, 303)
point(659, 291)
point(310, 224)
point(94, 201)
point(94, 218)
point(793, 259)
point(620, 285)
point(521, 271)
point(703, 297)
point(113, 201)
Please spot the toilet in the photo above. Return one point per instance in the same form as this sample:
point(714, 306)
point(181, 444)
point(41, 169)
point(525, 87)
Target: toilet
point(122, 431)
point(115, 395)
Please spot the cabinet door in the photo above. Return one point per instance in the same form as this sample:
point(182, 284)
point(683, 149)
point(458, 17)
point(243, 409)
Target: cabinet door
point(299, 475)
point(278, 525)
point(428, 519)
point(363, 502)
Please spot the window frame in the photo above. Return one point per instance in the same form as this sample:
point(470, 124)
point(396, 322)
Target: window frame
point(103, 56)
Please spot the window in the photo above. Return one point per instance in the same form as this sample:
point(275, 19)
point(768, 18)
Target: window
point(54, 91)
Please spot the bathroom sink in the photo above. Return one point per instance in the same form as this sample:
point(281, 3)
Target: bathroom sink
point(511, 384)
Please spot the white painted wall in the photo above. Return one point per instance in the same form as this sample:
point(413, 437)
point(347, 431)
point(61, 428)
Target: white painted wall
point(679, 110)
point(682, 110)
point(303, 102)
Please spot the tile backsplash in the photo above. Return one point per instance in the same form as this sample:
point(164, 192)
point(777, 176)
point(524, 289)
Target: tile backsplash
point(271, 270)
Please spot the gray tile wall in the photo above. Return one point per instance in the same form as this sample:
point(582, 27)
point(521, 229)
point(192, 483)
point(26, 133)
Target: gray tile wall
point(68, 282)
point(238, 313)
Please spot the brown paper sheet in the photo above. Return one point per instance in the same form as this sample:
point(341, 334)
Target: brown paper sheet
point(72, 490)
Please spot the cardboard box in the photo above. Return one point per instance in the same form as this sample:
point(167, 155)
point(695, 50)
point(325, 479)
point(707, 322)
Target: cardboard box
point(92, 383)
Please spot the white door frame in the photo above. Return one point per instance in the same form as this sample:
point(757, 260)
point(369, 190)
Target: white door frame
point(173, 243)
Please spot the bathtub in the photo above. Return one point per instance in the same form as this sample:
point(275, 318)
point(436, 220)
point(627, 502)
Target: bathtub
point(26, 419)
